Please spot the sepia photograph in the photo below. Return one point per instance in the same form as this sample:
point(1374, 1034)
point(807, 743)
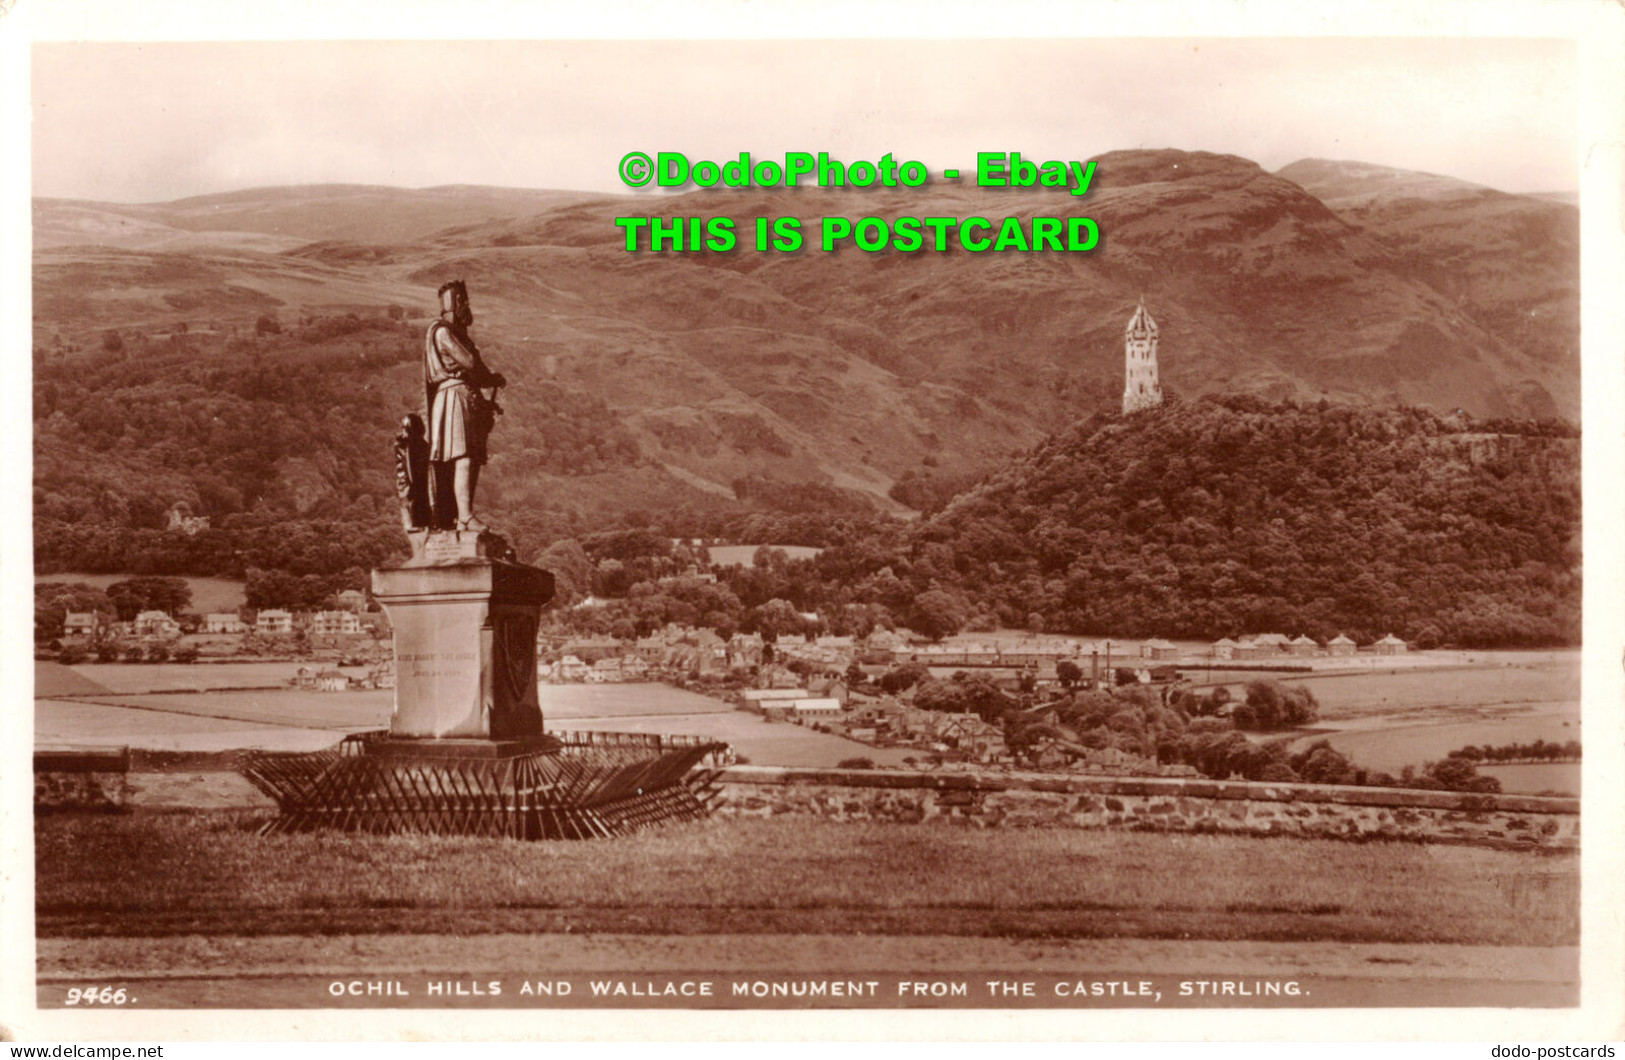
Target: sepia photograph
point(916, 526)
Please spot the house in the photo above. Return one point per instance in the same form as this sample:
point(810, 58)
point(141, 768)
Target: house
point(81, 623)
point(744, 649)
point(1340, 645)
point(381, 676)
point(804, 707)
point(761, 698)
point(332, 681)
point(1159, 649)
point(969, 733)
point(591, 650)
point(273, 623)
point(780, 677)
point(352, 600)
point(1303, 645)
point(832, 687)
point(1389, 645)
point(156, 624)
point(572, 669)
point(1225, 648)
point(223, 622)
point(331, 623)
point(304, 677)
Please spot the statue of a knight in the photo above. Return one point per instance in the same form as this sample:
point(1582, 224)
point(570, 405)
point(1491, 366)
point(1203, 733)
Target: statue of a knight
point(460, 392)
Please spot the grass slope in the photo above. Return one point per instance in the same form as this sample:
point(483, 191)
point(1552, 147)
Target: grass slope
point(170, 875)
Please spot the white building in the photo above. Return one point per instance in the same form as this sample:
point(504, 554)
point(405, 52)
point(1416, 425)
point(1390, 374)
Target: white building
point(81, 623)
point(814, 706)
point(762, 697)
point(1389, 645)
point(223, 622)
point(333, 681)
point(156, 624)
point(330, 623)
point(273, 622)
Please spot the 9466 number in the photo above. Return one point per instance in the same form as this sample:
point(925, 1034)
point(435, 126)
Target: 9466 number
point(98, 995)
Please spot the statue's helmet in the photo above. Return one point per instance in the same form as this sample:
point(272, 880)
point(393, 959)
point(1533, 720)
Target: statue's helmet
point(453, 296)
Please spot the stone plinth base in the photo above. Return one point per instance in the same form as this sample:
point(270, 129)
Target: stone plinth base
point(465, 643)
point(578, 787)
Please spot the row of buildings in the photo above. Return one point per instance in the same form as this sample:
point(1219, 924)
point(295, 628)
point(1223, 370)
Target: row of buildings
point(1040, 654)
point(270, 622)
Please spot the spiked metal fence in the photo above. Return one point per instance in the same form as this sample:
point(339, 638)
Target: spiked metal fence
point(585, 785)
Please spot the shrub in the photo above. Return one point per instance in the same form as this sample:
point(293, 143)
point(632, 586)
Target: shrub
point(855, 763)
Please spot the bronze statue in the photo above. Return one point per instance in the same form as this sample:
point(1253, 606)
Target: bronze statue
point(412, 474)
point(461, 412)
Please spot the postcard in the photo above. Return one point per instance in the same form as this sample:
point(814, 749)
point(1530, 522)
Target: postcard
point(723, 523)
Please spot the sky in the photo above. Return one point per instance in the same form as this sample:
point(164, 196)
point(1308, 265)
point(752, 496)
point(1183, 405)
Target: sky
point(148, 122)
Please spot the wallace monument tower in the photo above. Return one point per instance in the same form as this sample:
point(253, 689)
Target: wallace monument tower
point(1141, 389)
point(465, 752)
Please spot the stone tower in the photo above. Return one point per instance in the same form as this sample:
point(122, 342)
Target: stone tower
point(1140, 387)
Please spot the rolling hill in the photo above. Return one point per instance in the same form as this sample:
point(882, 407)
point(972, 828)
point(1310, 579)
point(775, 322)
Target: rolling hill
point(651, 381)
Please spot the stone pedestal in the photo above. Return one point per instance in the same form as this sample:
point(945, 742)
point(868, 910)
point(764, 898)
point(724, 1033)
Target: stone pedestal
point(465, 623)
point(465, 753)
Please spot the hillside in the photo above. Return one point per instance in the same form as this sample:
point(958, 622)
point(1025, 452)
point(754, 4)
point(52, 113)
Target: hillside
point(1232, 515)
point(1506, 262)
point(738, 381)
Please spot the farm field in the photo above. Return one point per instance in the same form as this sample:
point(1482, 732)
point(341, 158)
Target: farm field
point(1501, 684)
point(67, 724)
point(133, 678)
point(182, 709)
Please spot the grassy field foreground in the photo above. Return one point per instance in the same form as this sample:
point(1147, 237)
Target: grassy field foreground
point(210, 874)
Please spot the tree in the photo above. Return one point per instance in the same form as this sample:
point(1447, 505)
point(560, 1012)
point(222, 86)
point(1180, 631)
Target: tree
point(901, 678)
point(134, 595)
point(112, 341)
point(267, 325)
point(1068, 673)
point(776, 618)
point(571, 570)
point(937, 613)
point(936, 694)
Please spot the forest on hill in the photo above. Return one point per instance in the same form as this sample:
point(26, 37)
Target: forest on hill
point(1231, 515)
point(1220, 517)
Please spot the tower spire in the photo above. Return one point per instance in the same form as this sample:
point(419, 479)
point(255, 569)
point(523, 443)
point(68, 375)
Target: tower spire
point(1141, 388)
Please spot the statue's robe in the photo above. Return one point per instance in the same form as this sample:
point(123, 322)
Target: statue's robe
point(459, 420)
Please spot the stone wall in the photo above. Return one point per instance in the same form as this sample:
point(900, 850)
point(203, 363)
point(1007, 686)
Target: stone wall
point(80, 780)
point(105, 780)
point(1001, 800)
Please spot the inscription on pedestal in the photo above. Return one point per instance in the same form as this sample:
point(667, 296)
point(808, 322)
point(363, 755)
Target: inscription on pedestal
point(442, 548)
point(465, 646)
point(440, 663)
